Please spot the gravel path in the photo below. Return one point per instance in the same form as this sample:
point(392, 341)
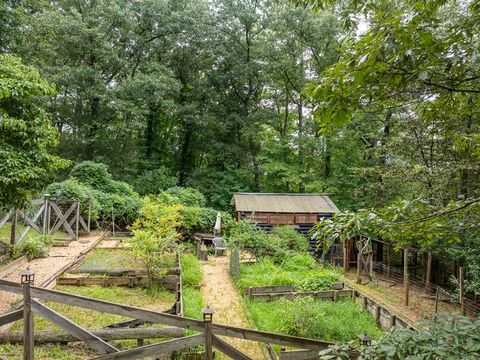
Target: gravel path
point(59, 258)
point(220, 293)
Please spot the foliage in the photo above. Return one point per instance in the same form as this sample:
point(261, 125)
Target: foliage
point(26, 132)
point(153, 251)
point(281, 243)
point(306, 317)
point(299, 270)
point(446, 338)
point(193, 303)
point(153, 182)
point(187, 196)
point(191, 270)
point(33, 247)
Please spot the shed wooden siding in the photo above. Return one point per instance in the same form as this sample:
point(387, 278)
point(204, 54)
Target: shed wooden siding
point(282, 209)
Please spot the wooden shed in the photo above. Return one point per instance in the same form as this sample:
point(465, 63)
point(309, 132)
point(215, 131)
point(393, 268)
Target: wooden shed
point(283, 208)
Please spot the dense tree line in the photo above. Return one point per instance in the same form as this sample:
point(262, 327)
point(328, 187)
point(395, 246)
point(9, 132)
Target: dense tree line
point(259, 95)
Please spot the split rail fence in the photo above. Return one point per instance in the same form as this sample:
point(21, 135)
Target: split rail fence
point(208, 332)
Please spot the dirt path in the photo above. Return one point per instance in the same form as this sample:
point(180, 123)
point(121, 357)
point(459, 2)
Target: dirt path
point(58, 259)
point(220, 293)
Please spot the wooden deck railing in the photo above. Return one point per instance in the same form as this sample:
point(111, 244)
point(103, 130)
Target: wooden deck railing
point(208, 336)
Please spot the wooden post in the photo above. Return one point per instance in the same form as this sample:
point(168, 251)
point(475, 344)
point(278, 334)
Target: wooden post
point(89, 215)
point(370, 270)
point(405, 275)
point(437, 298)
point(359, 258)
point(345, 256)
point(377, 314)
point(207, 321)
point(389, 258)
point(77, 219)
point(46, 206)
point(393, 320)
point(113, 223)
point(428, 275)
point(13, 229)
point(461, 281)
point(365, 302)
point(27, 323)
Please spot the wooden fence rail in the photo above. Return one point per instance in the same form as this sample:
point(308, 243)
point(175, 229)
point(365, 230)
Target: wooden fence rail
point(208, 330)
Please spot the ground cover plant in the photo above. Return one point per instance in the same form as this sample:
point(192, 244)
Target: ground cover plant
point(300, 270)
point(109, 259)
point(310, 318)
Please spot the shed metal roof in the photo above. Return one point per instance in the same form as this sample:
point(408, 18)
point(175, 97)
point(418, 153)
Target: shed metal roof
point(283, 203)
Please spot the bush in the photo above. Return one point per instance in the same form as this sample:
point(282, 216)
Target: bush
point(153, 182)
point(187, 196)
point(33, 247)
point(447, 337)
point(282, 243)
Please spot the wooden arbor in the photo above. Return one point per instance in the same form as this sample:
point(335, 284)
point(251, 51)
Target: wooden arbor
point(208, 331)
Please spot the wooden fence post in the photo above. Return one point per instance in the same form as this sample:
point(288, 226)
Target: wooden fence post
point(207, 320)
point(89, 215)
point(461, 281)
point(27, 323)
point(77, 219)
point(45, 213)
point(345, 256)
point(405, 276)
point(13, 229)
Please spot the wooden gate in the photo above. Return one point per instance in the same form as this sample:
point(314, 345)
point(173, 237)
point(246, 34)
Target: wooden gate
point(46, 217)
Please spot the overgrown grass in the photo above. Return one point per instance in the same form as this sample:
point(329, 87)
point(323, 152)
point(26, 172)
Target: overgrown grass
point(191, 270)
point(300, 270)
point(153, 299)
point(193, 303)
point(307, 317)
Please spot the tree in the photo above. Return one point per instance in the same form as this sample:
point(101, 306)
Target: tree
point(26, 132)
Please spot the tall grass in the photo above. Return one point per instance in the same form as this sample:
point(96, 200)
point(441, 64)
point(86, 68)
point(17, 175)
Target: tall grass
point(307, 317)
point(299, 270)
point(191, 271)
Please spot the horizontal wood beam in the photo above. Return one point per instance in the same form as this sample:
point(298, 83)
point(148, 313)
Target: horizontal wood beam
point(105, 306)
point(53, 336)
point(262, 336)
point(11, 317)
point(229, 350)
point(80, 333)
point(155, 349)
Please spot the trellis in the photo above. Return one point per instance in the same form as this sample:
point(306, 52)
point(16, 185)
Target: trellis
point(49, 218)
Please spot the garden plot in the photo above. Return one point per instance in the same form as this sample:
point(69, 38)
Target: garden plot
point(342, 320)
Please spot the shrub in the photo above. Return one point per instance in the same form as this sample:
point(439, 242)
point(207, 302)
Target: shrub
point(447, 337)
point(33, 247)
point(290, 238)
point(153, 251)
point(153, 182)
point(187, 196)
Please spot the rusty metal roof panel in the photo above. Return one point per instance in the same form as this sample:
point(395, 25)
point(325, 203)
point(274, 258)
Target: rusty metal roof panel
point(284, 203)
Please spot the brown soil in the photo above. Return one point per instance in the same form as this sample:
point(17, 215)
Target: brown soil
point(58, 258)
point(220, 293)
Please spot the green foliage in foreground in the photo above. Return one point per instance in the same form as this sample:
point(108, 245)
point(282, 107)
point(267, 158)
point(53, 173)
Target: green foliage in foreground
point(299, 270)
point(306, 317)
point(192, 276)
point(193, 303)
point(446, 338)
point(26, 132)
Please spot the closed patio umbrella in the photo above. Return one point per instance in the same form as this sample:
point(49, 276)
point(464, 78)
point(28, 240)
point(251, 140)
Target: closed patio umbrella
point(217, 230)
